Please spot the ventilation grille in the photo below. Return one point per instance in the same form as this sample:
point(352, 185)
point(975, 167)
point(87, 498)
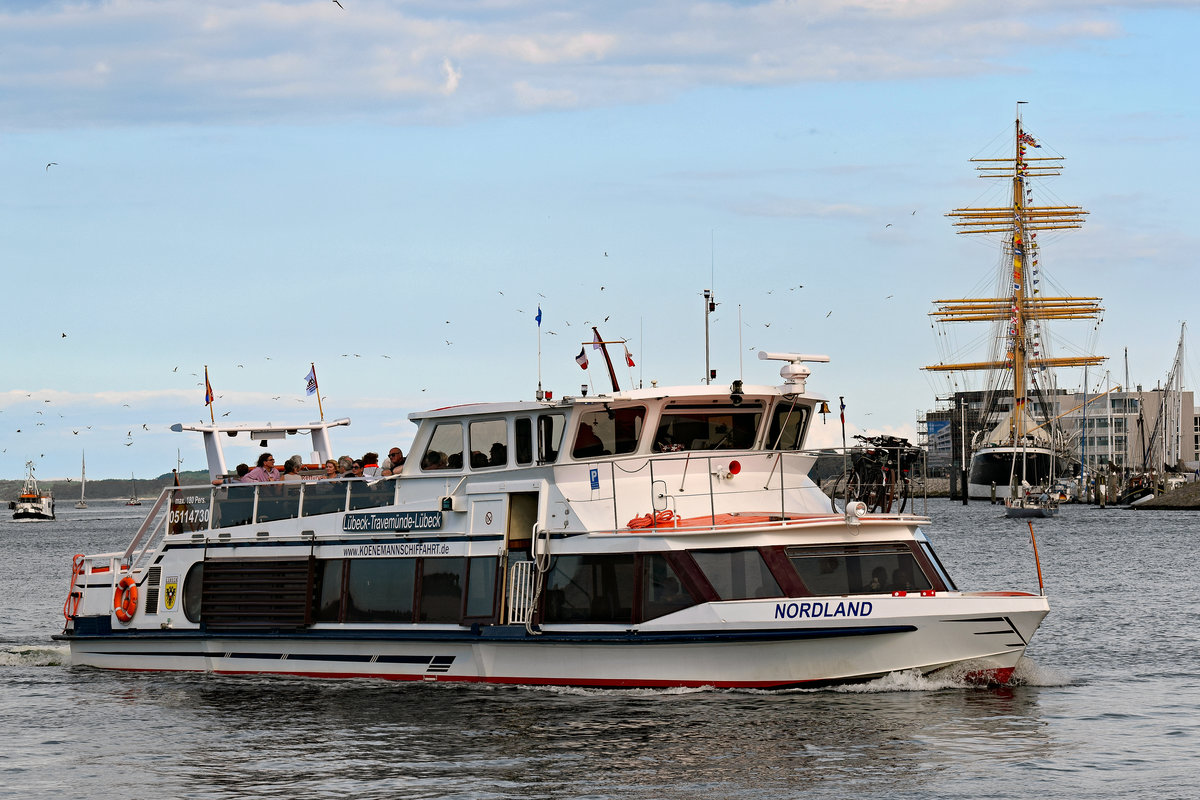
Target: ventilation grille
point(153, 579)
point(257, 594)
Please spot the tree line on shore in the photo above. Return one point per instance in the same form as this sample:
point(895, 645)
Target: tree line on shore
point(106, 488)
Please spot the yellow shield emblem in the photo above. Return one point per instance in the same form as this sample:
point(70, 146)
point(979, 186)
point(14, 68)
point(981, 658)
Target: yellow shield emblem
point(172, 591)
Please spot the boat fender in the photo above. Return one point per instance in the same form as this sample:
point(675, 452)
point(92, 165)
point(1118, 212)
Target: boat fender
point(125, 599)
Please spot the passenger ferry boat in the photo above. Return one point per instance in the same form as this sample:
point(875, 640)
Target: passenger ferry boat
point(32, 504)
point(657, 537)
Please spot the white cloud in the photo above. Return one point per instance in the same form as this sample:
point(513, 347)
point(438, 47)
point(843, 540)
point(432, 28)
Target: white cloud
point(301, 59)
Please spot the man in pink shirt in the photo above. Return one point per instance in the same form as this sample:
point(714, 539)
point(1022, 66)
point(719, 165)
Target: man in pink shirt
point(264, 471)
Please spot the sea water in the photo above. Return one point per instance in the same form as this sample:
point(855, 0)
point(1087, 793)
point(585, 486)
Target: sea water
point(1106, 703)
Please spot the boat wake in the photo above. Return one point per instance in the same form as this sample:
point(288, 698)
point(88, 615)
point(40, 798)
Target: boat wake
point(12, 655)
point(961, 676)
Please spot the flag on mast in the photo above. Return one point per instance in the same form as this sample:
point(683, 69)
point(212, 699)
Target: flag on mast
point(310, 381)
point(628, 357)
point(208, 392)
point(581, 359)
point(539, 316)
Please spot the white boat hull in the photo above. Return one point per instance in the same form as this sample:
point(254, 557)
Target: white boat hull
point(984, 633)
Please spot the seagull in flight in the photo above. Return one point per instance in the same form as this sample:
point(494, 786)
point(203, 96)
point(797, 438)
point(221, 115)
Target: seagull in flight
point(51, 164)
point(339, 5)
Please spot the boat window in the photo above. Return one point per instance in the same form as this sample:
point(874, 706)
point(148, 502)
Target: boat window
point(788, 426)
point(445, 450)
point(371, 494)
point(737, 574)
point(323, 497)
point(481, 586)
point(442, 582)
point(590, 588)
point(329, 591)
point(858, 569)
point(523, 439)
point(189, 510)
point(489, 443)
point(662, 591)
point(380, 590)
point(193, 589)
point(608, 432)
point(707, 428)
point(550, 429)
point(927, 549)
point(234, 503)
point(278, 501)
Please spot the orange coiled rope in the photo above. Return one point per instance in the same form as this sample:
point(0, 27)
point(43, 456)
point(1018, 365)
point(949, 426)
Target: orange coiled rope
point(651, 520)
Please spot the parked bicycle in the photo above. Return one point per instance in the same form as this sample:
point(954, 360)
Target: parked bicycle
point(879, 474)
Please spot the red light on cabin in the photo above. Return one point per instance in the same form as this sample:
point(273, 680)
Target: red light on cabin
point(549, 395)
point(928, 593)
point(735, 467)
point(900, 593)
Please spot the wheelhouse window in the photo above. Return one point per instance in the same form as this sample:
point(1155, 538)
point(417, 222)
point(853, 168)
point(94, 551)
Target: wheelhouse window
point(608, 432)
point(737, 574)
point(707, 427)
point(858, 569)
point(549, 438)
point(590, 588)
point(445, 449)
point(788, 424)
point(489, 443)
point(662, 590)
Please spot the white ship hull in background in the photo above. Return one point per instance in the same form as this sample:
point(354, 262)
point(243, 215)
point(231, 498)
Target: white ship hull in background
point(653, 537)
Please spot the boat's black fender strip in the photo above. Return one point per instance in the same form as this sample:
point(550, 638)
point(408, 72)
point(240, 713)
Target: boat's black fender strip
point(510, 636)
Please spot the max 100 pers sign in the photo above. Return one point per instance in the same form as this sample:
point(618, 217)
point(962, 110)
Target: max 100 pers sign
point(374, 522)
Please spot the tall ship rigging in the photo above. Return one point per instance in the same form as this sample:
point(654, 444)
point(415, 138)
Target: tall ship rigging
point(1020, 442)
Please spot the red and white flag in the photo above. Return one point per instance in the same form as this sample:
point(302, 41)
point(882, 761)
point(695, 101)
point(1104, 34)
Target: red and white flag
point(628, 358)
point(581, 359)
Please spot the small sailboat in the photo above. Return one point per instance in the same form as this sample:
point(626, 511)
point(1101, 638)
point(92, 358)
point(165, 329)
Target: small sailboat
point(81, 502)
point(133, 498)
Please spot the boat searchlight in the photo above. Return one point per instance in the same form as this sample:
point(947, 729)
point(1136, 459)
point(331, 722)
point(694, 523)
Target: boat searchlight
point(794, 373)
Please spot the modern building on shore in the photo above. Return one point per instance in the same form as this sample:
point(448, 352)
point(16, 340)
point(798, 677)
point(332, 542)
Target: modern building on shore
point(1126, 431)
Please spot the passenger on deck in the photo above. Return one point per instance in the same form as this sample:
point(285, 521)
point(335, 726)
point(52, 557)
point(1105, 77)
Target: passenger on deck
point(346, 466)
point(370, 466)
point(434, 459)
point(240, 475)
point(498, 456)
point(395, 460)
point(264, 471)
point(331, 470)
point(291, 470)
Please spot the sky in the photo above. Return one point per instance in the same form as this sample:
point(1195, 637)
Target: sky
point(390, 190)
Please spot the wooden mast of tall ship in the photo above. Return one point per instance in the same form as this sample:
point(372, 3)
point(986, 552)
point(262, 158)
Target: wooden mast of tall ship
point(1018, 316)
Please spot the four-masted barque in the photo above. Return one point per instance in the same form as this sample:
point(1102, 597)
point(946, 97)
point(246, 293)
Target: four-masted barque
point(1021, 442)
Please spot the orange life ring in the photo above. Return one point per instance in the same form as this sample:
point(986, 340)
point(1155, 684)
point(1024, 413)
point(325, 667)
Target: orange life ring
point(125, 599)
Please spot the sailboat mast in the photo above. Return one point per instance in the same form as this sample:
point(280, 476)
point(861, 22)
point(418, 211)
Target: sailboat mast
point(1017, 335)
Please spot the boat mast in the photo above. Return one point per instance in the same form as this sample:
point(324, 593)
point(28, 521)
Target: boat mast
point(1021, 308)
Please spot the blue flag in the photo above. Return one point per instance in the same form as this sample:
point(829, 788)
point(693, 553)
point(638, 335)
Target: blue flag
point(539, 316)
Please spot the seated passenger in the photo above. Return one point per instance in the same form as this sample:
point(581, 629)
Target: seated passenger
point(264, 471)
point(498, 456)
point(370, 466)
point(433, 459)
point(331, 470)
point(878, 580)
point(291, 470)
point(395, 460)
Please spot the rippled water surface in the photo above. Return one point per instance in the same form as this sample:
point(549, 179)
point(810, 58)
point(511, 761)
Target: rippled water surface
point(1106, 703)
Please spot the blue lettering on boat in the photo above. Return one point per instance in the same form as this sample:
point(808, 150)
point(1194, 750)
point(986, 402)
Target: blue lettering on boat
point(812, 610)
